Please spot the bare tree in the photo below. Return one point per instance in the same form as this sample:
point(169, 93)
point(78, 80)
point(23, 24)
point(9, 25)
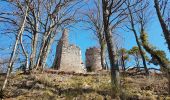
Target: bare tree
point(20, 32)
point(12, 18)
point(25, 54)
point(157, 55)
point(33, 25)
point(44, 20)
point(113, 15)
point(162, 10)
point(95, 23)
point(132, 9)
point(61, 16)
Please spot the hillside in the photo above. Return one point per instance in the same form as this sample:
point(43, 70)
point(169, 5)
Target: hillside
point(91, 86)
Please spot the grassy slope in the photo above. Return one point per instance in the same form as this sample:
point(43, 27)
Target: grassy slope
point(82, 87)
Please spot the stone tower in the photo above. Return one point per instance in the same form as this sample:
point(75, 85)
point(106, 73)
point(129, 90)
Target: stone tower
point(68, 57)
point(93, 59)
point(64, 38)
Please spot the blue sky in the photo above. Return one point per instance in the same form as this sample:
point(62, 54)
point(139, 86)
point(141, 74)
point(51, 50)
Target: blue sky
point(85, 38)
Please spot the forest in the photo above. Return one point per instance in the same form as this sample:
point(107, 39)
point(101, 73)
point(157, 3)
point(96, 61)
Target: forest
point(85, 49)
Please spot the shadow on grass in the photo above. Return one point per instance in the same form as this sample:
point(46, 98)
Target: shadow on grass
point(20, 89)
point(80, 91)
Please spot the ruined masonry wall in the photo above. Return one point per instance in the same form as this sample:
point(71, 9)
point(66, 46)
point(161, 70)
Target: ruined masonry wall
point(93, 59)
point(68, 57)
point(71, 59)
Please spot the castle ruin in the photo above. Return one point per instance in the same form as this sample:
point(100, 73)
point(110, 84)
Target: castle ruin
point(93, 59)
point(68, 57)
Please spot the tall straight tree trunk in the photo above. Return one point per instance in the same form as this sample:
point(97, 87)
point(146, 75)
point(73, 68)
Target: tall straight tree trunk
point(45, 51)
point(137, 63)
point(102, 54)
point(33, 51)
point(46, 41)
point(45, 54)
point(25, 54)
point(39, 55)
point(34, 38)
point(42, 49)
point(166, 32)
point(20, 32)
point(123, 62)
point(42, 58)
point(115, 77)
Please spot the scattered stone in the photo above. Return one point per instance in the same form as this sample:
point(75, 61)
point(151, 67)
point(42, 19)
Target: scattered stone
point(39, 86)
point(86, 86)
point(29, 83)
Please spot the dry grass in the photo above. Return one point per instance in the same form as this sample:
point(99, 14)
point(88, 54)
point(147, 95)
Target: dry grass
point(146, 87)
point(79, 87)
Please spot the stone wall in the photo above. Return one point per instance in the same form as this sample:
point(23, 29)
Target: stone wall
point(71, 59)
point(93, 59)
point(68, 57)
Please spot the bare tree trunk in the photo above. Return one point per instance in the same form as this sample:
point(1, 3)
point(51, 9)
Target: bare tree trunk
point(141, 53)
point(34, 41)
point(44, 50)
point(115, 77)
point(137, 62)
point(166, 32)
point(102, 54)
point(137, 40)
point(51, 23)
point(25, 54)
point(123, 62)
point(45, 54)
point(41, 52)
point(14, 49)
point(33, 51)
point(44, 47)
point(43, 58)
